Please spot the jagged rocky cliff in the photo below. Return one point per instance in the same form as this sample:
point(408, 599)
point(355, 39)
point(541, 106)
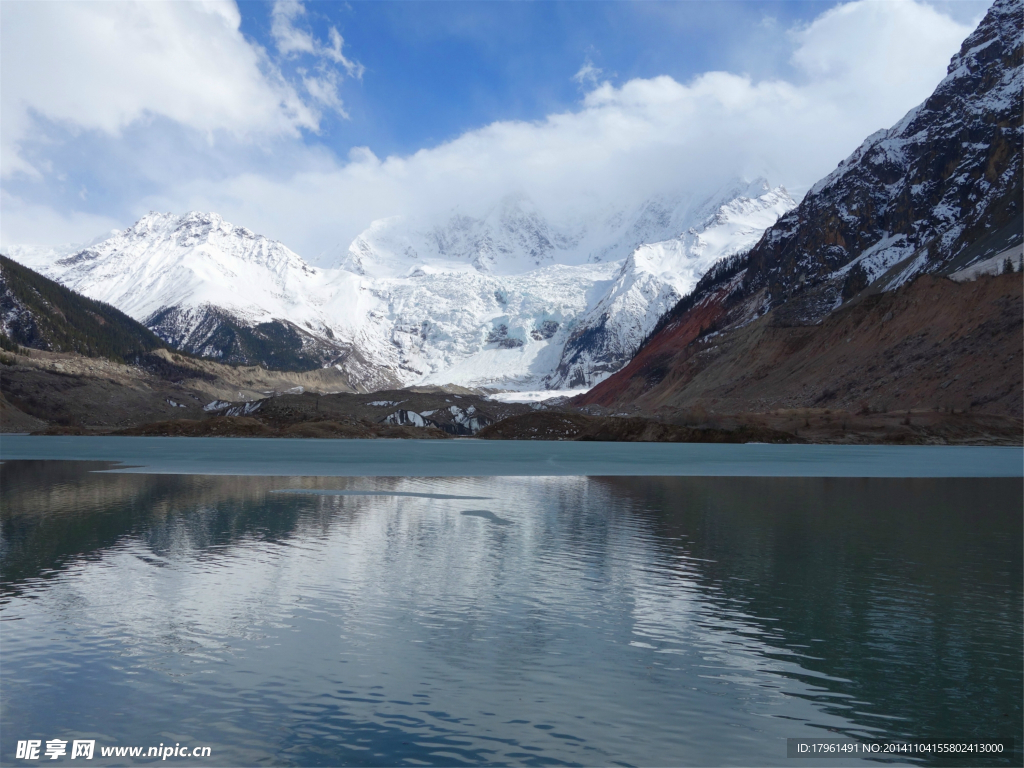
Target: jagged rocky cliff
point(937, 191)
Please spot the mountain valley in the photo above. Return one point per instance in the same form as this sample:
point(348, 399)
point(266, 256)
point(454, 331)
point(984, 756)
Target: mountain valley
point(505, 302)
point(886, 306)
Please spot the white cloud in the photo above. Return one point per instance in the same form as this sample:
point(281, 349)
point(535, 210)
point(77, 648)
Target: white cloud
point(622, 144)
point(354, 68)
point(41, 225)
point(630, 141)
point(288, 38)
point(906, 45)
point(291, 40)
point(588, 74)
point(104, 66)
point(324, 90)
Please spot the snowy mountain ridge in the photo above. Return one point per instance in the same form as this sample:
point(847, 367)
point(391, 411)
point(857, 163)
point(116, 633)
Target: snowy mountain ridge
point(508, 300)
point(938, 194)
point(513, 236)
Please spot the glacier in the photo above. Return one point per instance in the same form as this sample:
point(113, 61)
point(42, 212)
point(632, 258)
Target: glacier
point(510, 299)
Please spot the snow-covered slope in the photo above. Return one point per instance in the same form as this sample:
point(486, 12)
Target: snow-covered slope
point(225, 292)
point(476, 329)
point(656, 275)
point(937, 192)
point(502, 300)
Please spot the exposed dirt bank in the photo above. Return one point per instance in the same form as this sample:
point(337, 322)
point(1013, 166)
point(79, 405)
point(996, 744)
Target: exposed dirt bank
point(246, 426)
point(934, 344)
point(789, 426)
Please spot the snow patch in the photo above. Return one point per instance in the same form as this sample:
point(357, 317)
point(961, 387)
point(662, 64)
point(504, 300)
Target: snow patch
point(536, 396)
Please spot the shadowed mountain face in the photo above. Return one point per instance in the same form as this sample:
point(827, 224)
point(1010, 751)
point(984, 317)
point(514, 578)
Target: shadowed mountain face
point(275, 344)
point(938, 192)
point(916, 198)
point(39, 313)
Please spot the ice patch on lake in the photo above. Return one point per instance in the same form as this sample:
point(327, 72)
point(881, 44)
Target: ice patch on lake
point(535, 396)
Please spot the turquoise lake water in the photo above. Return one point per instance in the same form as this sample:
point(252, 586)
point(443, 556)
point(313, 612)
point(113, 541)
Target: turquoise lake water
point(489, 458)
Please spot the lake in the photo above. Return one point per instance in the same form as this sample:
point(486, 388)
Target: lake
point(278, 612)
point(490, 458)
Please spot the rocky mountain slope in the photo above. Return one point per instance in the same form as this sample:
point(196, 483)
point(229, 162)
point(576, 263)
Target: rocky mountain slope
point(219, 291)
point(931, 344)
point(509, 300)
point(938, 192)
point(39, 313)
point(40, 388)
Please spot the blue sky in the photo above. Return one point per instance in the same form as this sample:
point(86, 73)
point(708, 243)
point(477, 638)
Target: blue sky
point(435, 70)
point(306, 121)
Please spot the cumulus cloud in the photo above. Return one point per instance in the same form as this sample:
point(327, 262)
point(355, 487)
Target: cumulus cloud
point(292, 40)
point(859, 67)
point(105, 66)
point(625, 143)
point(832, 54)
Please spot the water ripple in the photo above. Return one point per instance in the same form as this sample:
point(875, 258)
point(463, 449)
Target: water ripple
point(577, 621)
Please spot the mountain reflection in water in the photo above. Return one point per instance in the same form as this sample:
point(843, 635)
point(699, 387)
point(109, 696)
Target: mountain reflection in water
point(645, 621)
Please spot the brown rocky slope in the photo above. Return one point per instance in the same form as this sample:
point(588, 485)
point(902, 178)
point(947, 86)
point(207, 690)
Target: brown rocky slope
point(931, 345)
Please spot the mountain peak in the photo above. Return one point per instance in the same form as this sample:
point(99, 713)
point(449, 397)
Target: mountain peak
point(939, 191)
point(194, 225)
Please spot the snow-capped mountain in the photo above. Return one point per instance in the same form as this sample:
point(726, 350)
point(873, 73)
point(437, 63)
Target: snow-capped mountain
point(221, 291)
point(507, 300)
point(553, 306)
point(514, 237)
point(511, 238)
point(939, 193)
point(656, 275)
